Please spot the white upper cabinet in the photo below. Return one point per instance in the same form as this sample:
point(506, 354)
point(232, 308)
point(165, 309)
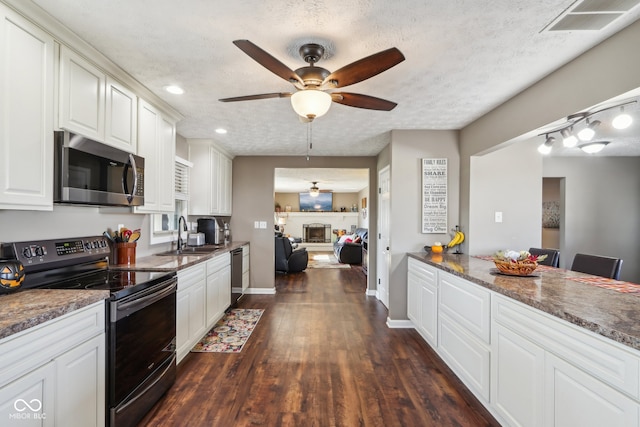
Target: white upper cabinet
point(121, 117)
point(95, 105)
point(157, 145)
point(210, 180)
point(26, 114)
point(82, 95)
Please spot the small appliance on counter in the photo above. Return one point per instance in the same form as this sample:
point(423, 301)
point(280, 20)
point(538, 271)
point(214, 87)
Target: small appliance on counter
point(196, 239)
point(213, 229)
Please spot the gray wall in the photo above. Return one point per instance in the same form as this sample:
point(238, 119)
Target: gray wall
point(507, 181)
point(404, 154)
point(601, 209)
point(606, 71)
point(253, 194)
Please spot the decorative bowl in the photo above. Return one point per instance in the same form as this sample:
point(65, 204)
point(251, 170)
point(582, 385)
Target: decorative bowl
point(516, 268)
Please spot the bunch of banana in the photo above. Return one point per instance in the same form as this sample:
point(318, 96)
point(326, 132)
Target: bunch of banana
point(458, 238)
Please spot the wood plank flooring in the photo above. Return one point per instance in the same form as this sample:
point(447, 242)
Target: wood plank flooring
point(321, 355)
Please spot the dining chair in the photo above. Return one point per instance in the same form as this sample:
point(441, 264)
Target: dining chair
point(597, 265)
point(553, 256)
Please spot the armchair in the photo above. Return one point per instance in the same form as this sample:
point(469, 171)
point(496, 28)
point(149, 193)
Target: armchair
point(287, 259)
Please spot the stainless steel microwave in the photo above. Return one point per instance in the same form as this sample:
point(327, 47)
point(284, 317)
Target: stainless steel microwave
point(91, 173)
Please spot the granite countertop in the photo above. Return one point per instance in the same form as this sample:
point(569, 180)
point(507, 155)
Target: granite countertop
point(30, 307)
point(26, 309)
point(176, 262)
point(606, 312)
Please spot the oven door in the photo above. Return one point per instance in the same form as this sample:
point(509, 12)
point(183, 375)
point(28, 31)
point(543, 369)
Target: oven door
point(142, 360)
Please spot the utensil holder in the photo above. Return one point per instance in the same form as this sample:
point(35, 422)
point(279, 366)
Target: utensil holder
point(126, 253)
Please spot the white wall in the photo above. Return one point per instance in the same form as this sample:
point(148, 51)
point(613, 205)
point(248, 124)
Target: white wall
point(601, 209)
point(508, 181)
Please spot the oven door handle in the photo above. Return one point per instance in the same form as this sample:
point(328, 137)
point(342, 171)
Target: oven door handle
point(125, 308)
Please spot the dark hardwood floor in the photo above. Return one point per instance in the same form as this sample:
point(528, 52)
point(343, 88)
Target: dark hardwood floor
point(321, 355)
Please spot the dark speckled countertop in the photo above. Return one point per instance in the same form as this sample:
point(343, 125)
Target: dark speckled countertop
point(30, 307)
point(612, 314)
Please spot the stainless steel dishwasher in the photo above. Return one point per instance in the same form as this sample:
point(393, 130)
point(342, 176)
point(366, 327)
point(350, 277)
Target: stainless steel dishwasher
point(236, 276)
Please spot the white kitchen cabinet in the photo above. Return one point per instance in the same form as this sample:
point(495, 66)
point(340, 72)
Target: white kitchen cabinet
point(26, 114)
point(95, 105)
point(54, 373)
point(422, 302)
point(218, 287)
point(191, 308)
point(81, 95)
point(245, 268)
point(210, 180)
point(575, 398)
point(517, 378)
point(156, 144)
point(121, 117)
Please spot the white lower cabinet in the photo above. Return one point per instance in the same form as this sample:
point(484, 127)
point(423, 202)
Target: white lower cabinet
point(54, 374)
point(190, 308)
point(218, 288)
point(527, 367)
point(575, 398)
point(423, 300)
point(517, 378)
point(245, 268)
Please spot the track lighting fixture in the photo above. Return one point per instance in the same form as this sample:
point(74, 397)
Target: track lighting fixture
point(568, 138)
point(622, 120)
point(593, 147)
point(588, 131)
point(545, 147)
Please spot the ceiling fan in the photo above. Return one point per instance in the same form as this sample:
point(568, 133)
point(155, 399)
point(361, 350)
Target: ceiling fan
point(311, 99)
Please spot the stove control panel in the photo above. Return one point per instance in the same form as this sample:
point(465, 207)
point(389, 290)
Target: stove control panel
point(41, 252)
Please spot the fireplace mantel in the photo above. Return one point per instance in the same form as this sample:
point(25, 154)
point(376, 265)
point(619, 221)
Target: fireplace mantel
point(294, 221)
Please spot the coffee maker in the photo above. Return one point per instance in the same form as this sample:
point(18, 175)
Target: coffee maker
point(213, 229)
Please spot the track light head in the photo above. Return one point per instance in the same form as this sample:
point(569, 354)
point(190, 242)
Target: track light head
point(622, 120)
point(589, 132)
point(545, 147)
point(568, 138)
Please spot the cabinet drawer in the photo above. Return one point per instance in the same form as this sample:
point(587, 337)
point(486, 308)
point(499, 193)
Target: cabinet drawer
point(218, 263)
point(469, 358)
point(191, 276)
point(602, 358)
point(245, 250)
point(466, 303)
point(425, 272)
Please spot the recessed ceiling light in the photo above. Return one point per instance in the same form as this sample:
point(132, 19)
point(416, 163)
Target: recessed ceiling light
point(176, 90)
point(221, 131)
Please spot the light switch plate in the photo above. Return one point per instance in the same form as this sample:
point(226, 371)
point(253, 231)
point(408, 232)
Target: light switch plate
point(256, 224)
point(498, 216)
point(263, 224)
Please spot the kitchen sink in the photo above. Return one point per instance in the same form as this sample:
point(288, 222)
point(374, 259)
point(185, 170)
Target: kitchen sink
point(191, 250)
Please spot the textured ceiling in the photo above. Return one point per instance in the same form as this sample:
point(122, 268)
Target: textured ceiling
point(337, 180)
point(463, 58)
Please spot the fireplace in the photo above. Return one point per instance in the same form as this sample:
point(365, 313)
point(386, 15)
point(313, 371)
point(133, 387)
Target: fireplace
point(316, 233)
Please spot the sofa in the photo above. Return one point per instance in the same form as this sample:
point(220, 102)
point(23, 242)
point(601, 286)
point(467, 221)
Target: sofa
point(348, 248)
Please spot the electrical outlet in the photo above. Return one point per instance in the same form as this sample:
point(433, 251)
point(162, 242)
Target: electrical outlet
point(498, 216)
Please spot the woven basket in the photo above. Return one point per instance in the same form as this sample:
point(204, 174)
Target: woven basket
point(519, 268)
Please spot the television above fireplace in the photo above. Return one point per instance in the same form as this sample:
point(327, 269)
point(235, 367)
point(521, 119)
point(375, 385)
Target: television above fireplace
point(323, 202)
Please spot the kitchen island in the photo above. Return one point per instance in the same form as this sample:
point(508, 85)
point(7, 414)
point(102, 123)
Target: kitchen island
point(553, 348)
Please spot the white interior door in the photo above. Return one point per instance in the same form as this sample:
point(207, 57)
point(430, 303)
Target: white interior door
point(384, 255)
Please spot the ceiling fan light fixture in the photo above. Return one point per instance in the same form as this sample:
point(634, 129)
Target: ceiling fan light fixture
point(311, 103)
point(314, 191)
point(593, 147)
point(622, 120)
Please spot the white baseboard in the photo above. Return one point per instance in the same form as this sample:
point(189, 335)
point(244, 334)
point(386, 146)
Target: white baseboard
point(260, 291)
point(372, 293)
point(399, 324)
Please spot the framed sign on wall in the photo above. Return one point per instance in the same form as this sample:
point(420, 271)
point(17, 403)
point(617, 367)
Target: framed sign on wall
point(434, 196)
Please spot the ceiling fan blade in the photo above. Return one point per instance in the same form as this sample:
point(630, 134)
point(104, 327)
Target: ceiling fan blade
point(268, 61)
point(253, 97)
point(362, 101)
point(365, 68)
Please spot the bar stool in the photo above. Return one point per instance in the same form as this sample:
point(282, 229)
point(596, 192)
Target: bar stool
point(597, 265)
point(553, 256)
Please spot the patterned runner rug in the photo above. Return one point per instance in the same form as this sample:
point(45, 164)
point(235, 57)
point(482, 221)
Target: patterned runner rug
point(231, 332)
point(324, 260)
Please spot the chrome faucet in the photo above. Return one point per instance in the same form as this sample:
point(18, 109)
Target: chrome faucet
point(184, 228)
